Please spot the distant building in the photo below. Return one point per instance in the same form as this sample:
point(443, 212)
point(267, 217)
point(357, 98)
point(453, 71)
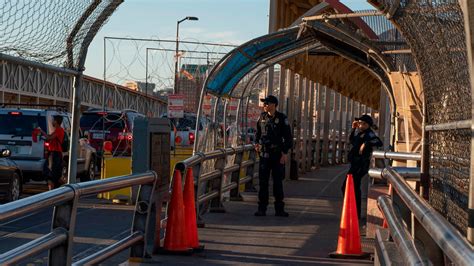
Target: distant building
point(190, 82)
point(140, 86)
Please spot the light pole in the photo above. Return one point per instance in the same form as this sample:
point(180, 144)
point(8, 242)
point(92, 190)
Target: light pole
point(176, 55)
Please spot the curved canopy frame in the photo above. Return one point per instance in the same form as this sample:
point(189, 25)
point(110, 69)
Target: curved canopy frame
point(315, 38)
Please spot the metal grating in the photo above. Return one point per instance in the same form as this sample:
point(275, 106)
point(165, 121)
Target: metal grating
point(434, 31)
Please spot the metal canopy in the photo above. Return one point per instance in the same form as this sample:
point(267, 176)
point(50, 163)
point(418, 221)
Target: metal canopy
point(261, 52)
point(232, 76)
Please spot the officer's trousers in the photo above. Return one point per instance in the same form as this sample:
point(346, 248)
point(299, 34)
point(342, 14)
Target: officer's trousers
point(277, 170)
point(358, 170)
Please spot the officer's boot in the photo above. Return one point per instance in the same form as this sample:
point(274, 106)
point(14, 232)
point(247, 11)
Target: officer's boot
point(280, 209)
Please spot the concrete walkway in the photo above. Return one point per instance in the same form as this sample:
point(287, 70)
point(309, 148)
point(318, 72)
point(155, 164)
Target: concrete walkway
point(305, 238)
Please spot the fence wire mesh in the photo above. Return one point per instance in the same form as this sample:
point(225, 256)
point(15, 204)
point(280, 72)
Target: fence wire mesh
point(50, 31)
point(435, 32)
point(390, 39)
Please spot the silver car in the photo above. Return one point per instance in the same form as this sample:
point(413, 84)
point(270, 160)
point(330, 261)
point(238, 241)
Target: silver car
point(16, 135)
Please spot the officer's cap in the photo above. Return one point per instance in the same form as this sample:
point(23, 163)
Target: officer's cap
point(367, 119)
point(270, 99)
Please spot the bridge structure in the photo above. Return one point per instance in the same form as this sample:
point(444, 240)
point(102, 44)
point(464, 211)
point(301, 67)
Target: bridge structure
point(408, 63)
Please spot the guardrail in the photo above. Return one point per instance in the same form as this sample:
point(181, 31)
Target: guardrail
point(59, 241)
point(406, 211)
point(214, 178)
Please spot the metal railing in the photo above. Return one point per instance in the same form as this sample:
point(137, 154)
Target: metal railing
point(65, 199)
point(210, 185)
point(406, 211)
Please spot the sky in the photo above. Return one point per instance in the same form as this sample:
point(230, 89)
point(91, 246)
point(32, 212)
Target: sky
point(220, 21)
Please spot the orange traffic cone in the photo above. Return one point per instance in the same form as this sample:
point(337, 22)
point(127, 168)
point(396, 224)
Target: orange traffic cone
point(190, 212)
point(348, 244)
point(175, 238)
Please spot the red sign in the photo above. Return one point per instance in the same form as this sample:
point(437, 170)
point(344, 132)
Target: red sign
point(175, 105)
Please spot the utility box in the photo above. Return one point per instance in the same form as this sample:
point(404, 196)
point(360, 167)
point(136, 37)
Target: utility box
point(151, 151)
point(159, 130)
point(151, 148)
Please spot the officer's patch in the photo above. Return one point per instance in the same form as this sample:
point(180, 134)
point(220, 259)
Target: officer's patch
point(277, 120)
point(286, 122)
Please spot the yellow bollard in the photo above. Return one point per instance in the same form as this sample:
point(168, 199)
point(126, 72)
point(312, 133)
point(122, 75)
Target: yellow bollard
point(117, 166)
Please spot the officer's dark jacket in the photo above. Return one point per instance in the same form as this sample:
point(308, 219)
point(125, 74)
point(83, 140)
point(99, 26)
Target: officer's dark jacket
point(274, 133)
point(358, 138)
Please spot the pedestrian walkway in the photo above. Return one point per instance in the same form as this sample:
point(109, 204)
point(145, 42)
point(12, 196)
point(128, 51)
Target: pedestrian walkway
point(305, 238)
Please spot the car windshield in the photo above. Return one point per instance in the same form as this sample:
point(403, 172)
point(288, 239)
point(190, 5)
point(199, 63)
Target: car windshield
point(96, 121)
point(185, 123)
point(20, 125)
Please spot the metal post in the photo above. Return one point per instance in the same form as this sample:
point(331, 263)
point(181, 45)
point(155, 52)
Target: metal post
point(250, 171)
point(76, 110)
point(271, 74)
point(349, 119)
point(304, 123)
point(308, 133)
point(335, 122)
point(216, 184)
point(146, 71)
point(311, 126)
point(76, 113)
point(321, 90)
point(327, 109)
point(235, 176)
point(226, 101)
point(215, 123)
point(176, 59)
point(341, 141)
point(141, 219)
point(281, 97)
point(64, 216)
point(298, 122)
point(291, 116)
point(468, 11)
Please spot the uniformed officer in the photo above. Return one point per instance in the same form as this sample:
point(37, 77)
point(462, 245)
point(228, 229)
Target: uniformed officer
point(273, 141)
point(362, 139)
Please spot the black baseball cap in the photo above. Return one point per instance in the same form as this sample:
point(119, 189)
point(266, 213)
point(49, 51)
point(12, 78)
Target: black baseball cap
point(270, 99)
point(367, 119)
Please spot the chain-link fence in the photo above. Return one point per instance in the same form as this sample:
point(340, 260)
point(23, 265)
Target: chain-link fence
point(53, 32)
point(434, 31)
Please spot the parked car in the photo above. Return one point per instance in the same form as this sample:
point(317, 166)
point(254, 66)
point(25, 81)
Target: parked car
point(10, 178)
point(182, 130)
point(114, 126)
point(16, 129)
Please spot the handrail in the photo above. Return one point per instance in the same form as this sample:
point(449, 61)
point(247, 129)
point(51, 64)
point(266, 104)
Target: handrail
point(400, 234)
point(210, 184)
point(409, 173)
point(453, 244)
point(52, 239)
point(39, 201)
point(396, 155)
point(63, 198)
point(101, 255)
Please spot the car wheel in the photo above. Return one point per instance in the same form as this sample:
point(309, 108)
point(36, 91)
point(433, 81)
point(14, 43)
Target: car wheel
point(14, 190)
point(90, 174)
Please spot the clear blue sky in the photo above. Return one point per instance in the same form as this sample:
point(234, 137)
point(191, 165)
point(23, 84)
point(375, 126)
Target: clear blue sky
point(222, 21)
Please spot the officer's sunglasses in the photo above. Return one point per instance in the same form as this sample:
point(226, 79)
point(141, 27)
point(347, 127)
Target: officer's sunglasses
point(266, 103)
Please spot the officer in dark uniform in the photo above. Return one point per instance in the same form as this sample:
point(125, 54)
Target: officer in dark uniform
point(273, 141)
point(362, 139)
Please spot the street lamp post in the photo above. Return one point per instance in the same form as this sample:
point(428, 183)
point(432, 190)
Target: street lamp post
point(176, 55)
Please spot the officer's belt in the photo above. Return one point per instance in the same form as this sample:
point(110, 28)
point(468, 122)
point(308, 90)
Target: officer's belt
point(272, 147)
